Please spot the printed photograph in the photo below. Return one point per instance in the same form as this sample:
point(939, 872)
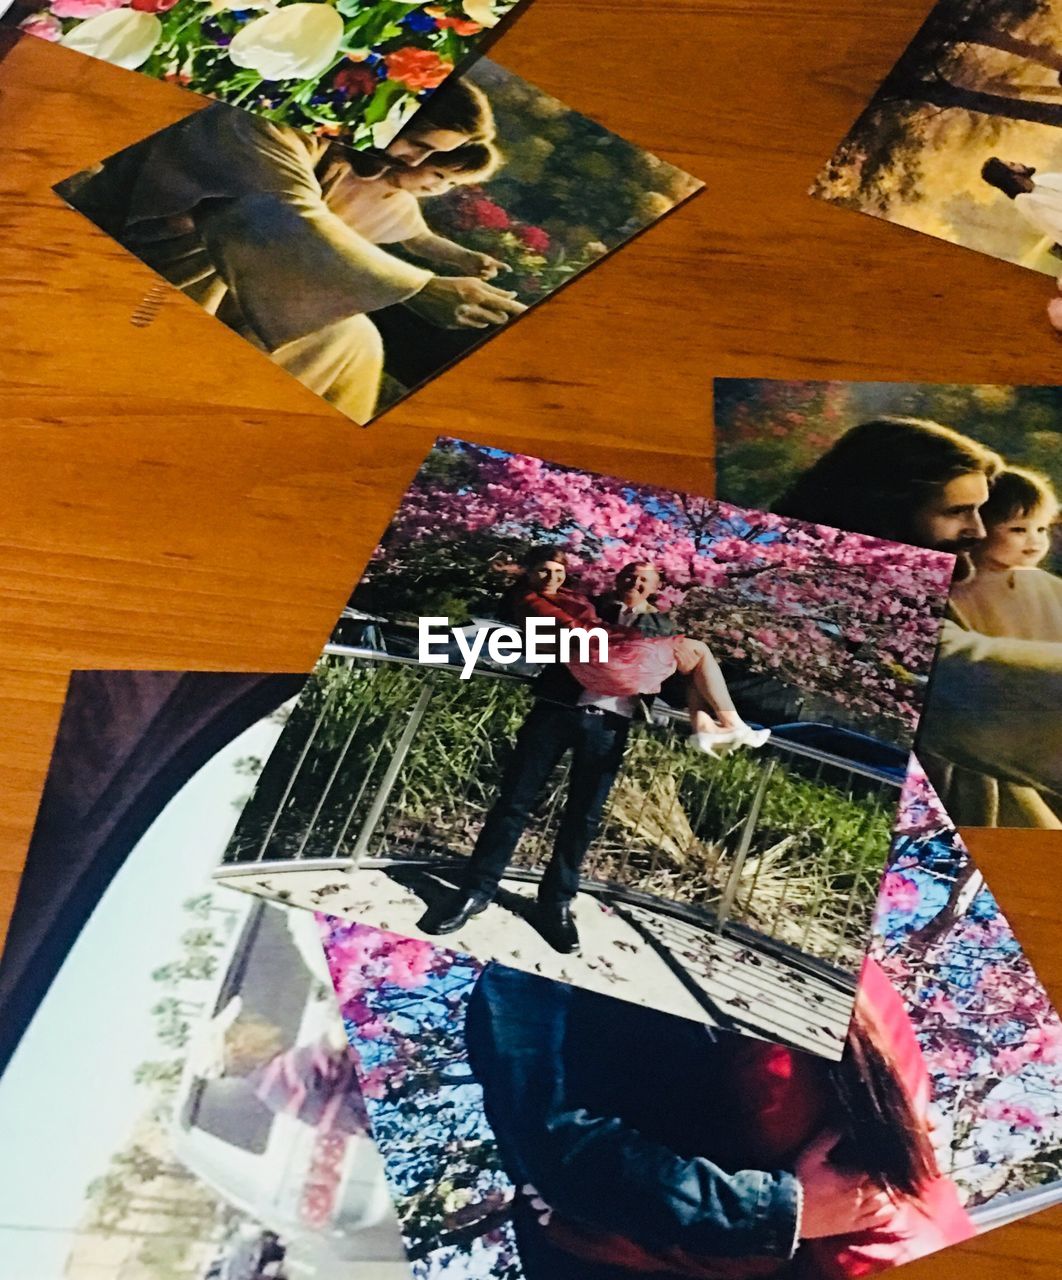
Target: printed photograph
point(181, 1103)
point(974, 470)
point(963, 140)
point(533, 1131)
point(351, 70)
point(366, 275)
point(711, 803)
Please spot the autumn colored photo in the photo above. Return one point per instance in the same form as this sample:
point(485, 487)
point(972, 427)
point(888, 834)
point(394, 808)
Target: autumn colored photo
point(366, 274)
point(963, 139)
point(735, 764)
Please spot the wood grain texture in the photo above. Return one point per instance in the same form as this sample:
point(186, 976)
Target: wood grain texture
point(169, 499)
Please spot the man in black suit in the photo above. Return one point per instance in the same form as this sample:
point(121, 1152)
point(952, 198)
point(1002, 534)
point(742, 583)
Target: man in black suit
point(564, 717)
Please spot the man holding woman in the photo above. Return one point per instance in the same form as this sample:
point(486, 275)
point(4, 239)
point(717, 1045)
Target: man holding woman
point(586, 708)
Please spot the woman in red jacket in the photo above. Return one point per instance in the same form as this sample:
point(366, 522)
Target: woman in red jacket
point(774, 1104)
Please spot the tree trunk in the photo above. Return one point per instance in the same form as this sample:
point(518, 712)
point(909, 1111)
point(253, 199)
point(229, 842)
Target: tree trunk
point(967, 885)
point(1043, 54)
point(942, 93)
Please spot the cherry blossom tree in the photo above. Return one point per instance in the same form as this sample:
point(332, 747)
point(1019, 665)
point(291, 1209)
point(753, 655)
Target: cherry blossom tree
point(845, 616)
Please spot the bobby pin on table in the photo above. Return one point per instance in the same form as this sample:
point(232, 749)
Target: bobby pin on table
point(178, 503)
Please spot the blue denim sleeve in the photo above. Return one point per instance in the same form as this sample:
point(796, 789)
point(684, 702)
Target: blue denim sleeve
point(596, 1169)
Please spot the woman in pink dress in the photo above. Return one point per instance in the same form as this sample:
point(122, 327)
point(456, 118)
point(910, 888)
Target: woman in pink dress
point(639, 661)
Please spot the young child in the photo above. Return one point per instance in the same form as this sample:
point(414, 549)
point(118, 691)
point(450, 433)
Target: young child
point(386, 209)
point(1009, 595)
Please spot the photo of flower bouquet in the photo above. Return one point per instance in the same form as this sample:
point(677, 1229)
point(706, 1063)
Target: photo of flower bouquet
point(354, 70)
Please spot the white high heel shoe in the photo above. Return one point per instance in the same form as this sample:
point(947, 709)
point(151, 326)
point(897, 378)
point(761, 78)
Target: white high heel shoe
point(752, 738)
point(724, 741)
point(715, 744)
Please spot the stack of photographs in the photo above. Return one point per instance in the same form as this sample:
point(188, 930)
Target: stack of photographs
point(720, 792)
point(974, 470)
point(596, 908)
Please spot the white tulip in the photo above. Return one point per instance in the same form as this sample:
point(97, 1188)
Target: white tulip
point(125, 37)
point(297, 42)
point(481, 11)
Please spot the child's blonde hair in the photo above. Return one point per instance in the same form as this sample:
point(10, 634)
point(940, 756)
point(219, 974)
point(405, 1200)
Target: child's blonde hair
point(1018, 491)
point(249, 1043)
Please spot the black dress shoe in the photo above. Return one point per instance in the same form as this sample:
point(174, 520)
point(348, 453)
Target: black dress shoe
point(455, 912)
point(557, 925)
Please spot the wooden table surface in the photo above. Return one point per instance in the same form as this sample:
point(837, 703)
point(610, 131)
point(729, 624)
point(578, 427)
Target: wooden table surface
point(169, 499)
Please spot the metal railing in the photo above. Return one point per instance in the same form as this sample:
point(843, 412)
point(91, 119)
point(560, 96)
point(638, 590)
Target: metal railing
point(387, 761)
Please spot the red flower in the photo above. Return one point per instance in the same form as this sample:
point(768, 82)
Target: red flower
point(417, 68)
point(535, 238)
point(356, 81)
point(459, 26)
point(152, 6)
point(488, 214)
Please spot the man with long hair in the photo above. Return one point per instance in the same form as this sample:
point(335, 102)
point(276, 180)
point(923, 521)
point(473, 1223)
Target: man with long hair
point(237, 213)
point(992, 706)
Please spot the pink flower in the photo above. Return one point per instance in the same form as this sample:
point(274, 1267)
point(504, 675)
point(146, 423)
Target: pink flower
point(954, 1061)
point(152, 6)
point(899, 893)
point(1011, 1060)
point(1016, 1114)
point(535, 238)
point(83, 8)
point(1045, 1044)
point(943, 1007)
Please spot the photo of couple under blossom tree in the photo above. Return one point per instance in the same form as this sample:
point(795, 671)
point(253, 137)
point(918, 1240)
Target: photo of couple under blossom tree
point(736, 763)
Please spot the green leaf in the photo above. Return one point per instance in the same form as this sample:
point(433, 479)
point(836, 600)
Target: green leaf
point(382, 101)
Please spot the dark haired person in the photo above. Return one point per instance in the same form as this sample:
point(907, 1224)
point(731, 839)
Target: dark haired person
point(905, 479)
point(651, 1145)
point(561, 719)
point(564, 717)
point(992, 706)
point(1036, 196)
point(234, 211)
